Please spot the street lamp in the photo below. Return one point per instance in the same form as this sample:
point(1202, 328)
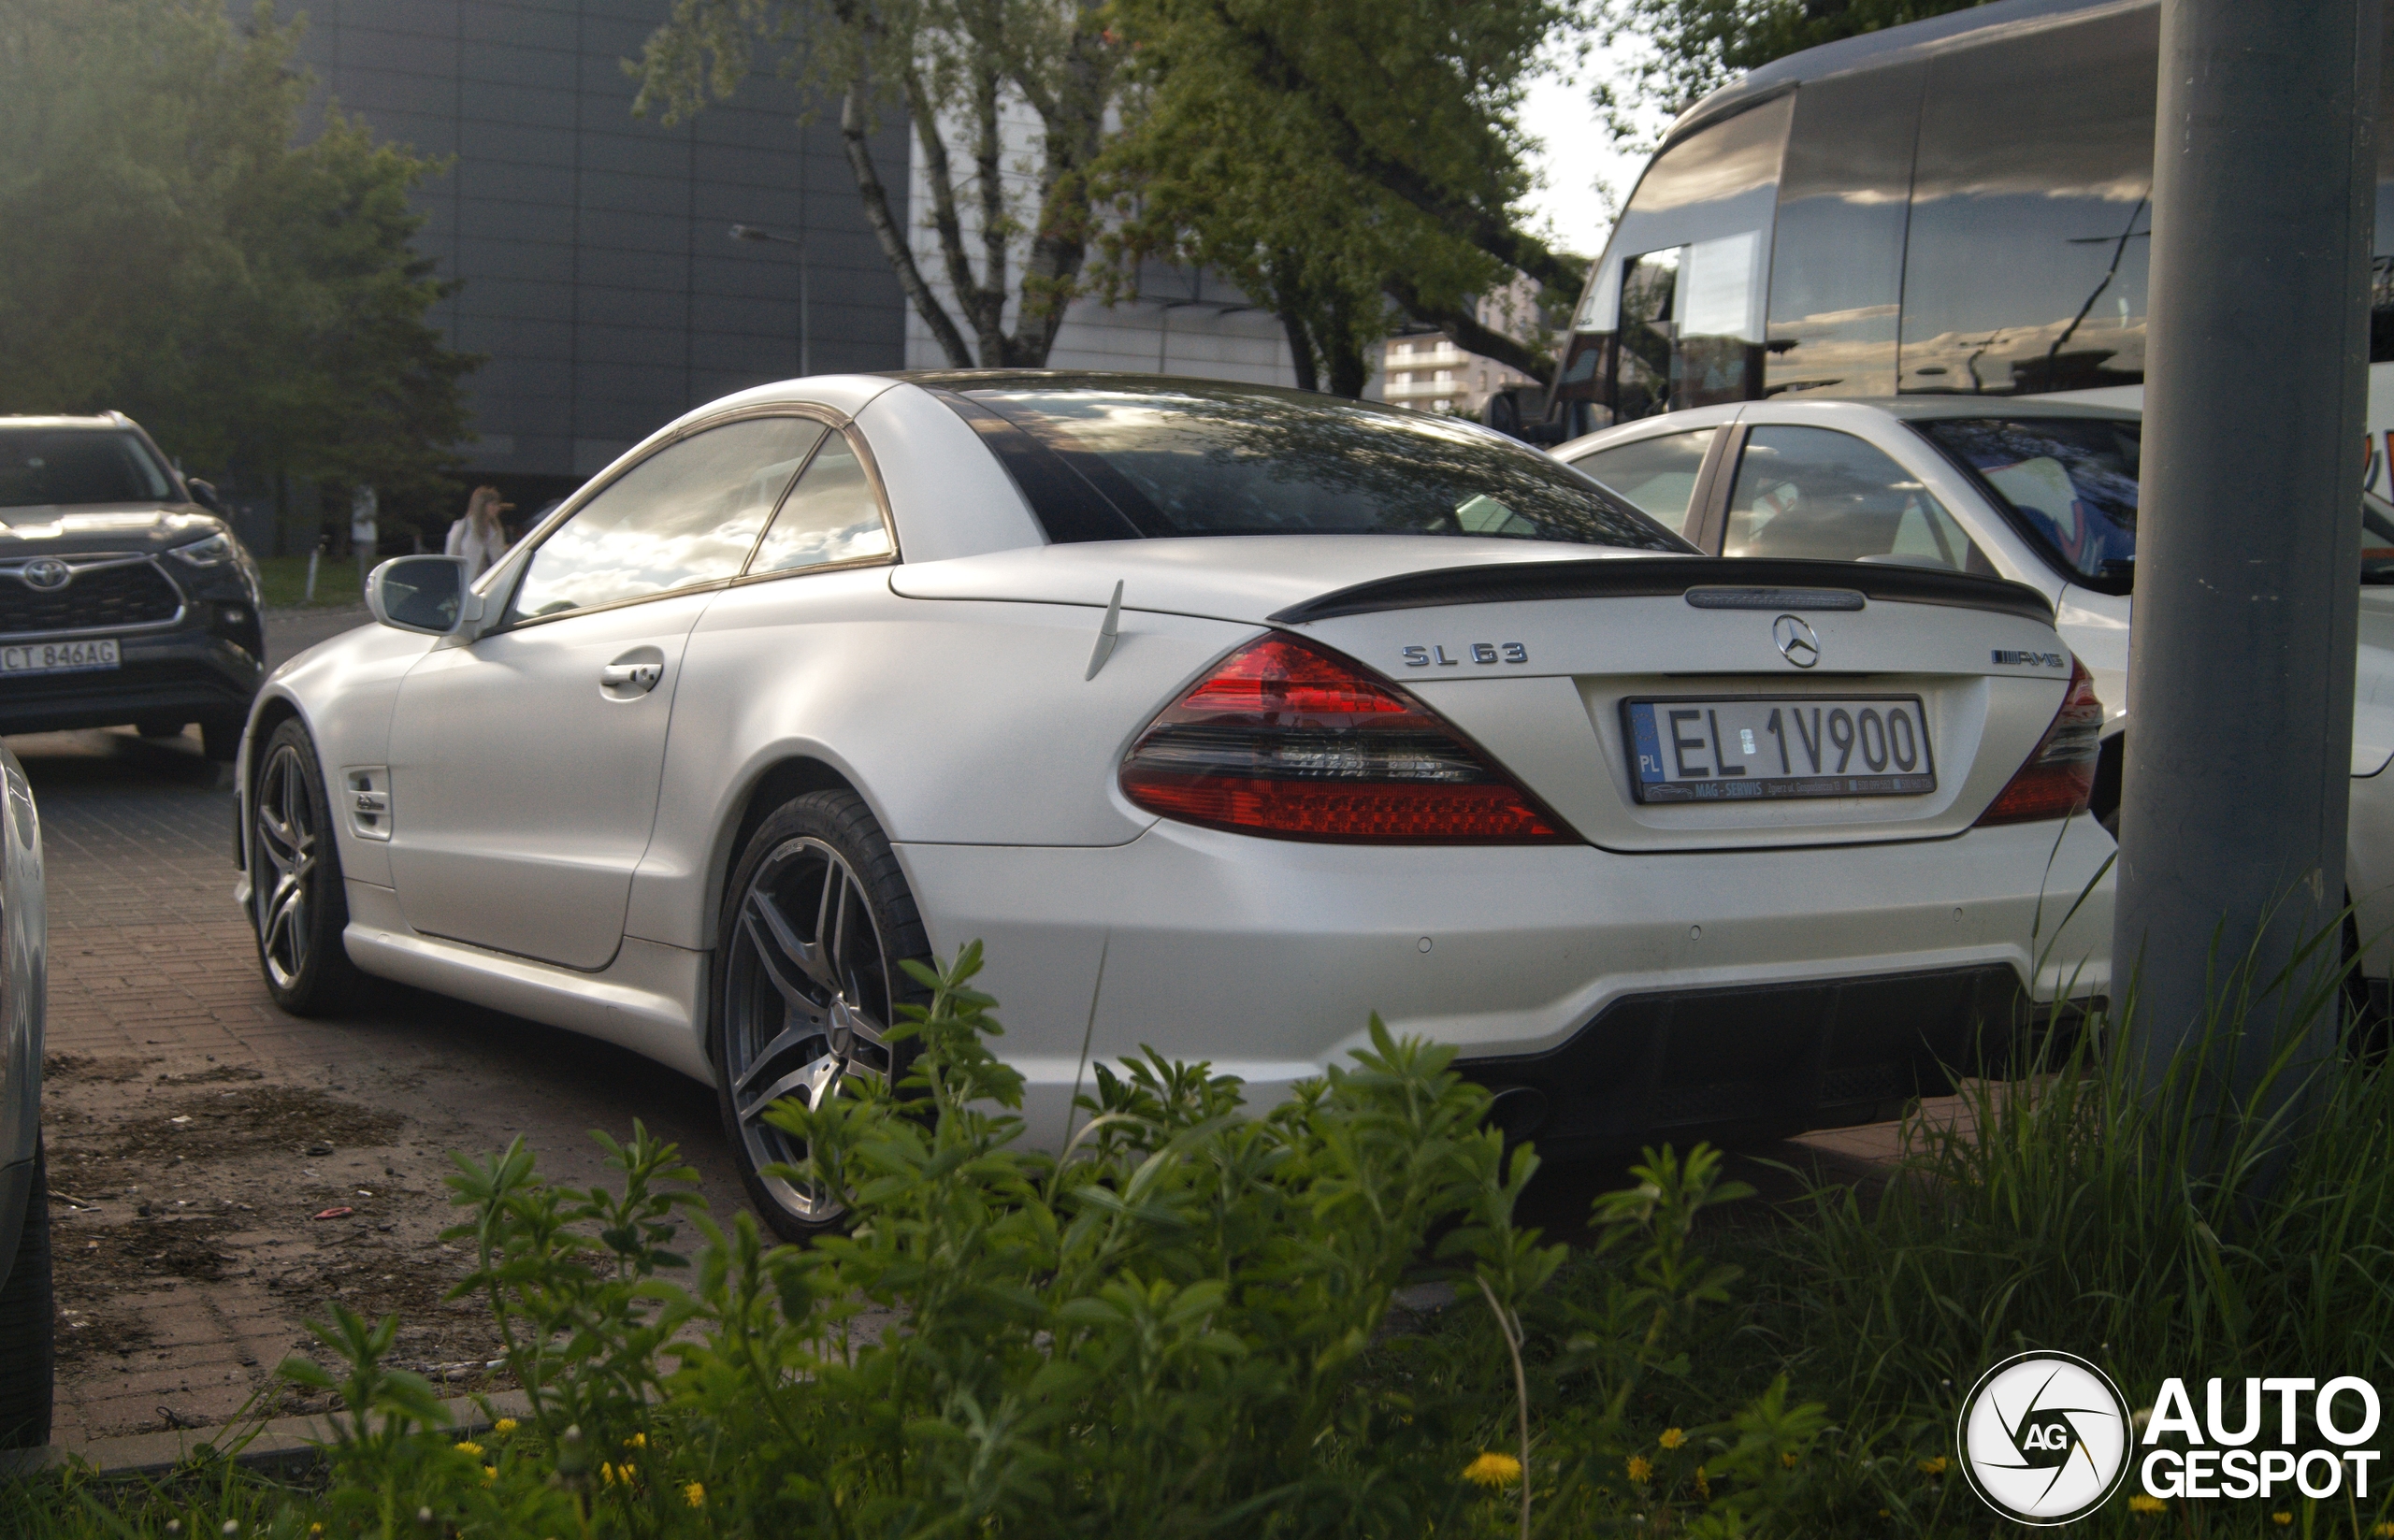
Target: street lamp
point(805, 344)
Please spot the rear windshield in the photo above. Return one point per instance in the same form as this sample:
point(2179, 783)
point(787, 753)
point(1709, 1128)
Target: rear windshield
point(2068, 483)
point(1114, 460)
point(44, 465)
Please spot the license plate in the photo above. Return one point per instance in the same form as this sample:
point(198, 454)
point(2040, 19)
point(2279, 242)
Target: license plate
point(1756, 749)
point(59, 657)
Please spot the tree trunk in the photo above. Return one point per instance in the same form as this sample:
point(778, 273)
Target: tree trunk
point(892, 239)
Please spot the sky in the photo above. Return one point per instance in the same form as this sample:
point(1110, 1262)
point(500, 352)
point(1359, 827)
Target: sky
point(1575, 153)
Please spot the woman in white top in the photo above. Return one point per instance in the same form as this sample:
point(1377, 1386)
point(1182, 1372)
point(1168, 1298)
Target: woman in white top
point(480, 536)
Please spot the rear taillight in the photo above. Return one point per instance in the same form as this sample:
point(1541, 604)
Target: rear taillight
point(1289, 739)
point(2057, 777)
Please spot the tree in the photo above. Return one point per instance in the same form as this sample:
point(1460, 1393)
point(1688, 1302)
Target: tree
point(954, 68)
point(1326, 151)
point(1694, 47)
point(172, 252)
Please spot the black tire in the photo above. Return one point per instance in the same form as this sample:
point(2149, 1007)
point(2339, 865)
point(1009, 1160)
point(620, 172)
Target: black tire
point(28, 1359)
point(219, 736)
point(801, 1000)
point(297, 906)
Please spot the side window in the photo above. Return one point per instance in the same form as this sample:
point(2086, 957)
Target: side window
point(1657, 474)
point(1818, 492)
point(688, 513)
point(831, 515)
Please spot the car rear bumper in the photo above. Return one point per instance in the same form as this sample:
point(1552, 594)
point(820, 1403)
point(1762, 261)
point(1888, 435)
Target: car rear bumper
point(1775, 988)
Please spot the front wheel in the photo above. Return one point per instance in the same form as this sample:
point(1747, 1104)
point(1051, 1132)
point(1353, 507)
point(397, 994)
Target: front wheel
point(298, 908)
point(815, 921)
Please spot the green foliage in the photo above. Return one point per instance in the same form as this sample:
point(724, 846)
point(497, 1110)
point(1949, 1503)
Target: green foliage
point(1180, 1328)
point(172, 255)
point(951, 66)
point(1325, 155)
point(1694, 47)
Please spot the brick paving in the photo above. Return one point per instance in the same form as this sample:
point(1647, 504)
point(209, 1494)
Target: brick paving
point(156, 1009)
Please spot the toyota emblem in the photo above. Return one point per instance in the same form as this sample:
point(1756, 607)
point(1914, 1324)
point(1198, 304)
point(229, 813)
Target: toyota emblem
point(1795, 641)
point(47, 573)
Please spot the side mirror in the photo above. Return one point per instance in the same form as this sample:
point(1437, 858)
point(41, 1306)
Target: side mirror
point(424, 594)
point(204, 494)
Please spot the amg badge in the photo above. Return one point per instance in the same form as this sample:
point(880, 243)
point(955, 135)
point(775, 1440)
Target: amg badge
point(2031, 660)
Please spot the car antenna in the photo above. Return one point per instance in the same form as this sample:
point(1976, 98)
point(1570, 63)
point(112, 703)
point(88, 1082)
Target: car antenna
point(1107, 634)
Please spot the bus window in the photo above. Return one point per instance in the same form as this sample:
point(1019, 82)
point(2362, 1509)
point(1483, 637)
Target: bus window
point(2025, 268)
point(1672, 316)
point(1837, 260)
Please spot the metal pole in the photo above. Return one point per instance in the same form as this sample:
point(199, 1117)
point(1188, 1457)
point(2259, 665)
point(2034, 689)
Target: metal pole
point(2241, 680)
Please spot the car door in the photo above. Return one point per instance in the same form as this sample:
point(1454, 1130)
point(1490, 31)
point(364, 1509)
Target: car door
point(525, 765)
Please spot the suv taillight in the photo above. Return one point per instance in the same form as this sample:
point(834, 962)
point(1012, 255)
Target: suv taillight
point(2058, 775)
point(1289, 739)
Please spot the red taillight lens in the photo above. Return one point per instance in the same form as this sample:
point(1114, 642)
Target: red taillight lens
point(2058, 776)
point(1289, 739)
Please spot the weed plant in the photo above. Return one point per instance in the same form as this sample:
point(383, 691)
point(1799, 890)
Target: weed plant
point(1184, 1325)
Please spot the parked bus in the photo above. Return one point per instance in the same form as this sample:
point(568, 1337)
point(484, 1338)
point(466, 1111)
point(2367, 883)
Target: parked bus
point(1956, 206)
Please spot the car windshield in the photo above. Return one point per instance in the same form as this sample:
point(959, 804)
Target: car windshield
point(1117, 459)
point(2068, 483)
point(43, 466)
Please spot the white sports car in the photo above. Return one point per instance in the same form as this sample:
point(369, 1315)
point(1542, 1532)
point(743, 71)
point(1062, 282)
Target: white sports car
point(1225, 716)
point(2039, 491)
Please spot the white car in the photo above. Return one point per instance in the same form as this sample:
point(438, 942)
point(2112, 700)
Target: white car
point(1224, 717)
point(2040, 491)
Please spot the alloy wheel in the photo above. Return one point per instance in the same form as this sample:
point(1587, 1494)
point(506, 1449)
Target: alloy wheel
point(806, 1004)
point(282, 873)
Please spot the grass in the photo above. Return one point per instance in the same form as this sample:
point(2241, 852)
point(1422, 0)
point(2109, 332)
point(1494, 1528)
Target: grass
point(2168, 1231)
point(285, 580)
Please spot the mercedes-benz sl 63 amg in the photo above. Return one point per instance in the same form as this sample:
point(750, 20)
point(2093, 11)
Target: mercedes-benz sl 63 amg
point(1225, 716)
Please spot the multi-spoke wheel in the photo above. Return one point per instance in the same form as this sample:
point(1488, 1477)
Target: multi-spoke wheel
point(815, 920)
point(297, 906)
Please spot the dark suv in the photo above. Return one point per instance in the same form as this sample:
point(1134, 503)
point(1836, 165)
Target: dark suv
point(123, 599)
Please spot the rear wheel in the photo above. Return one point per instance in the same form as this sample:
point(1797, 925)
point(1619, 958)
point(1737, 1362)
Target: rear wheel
point(815, 920)
point(27, 1354)
point(297, 908)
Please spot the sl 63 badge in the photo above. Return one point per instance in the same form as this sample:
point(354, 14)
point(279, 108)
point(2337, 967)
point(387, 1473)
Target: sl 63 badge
point(1476, 651)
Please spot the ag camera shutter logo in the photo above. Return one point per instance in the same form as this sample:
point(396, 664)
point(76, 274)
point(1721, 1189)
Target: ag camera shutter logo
point(2045, 1438)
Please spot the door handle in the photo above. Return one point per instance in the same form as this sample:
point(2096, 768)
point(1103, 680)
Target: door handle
point(642, 677)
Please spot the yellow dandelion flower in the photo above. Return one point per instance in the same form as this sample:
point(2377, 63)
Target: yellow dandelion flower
point(1703, 1488)
point(1672, 1438)
point(2141, 1503)
point(1493, 1469)
point(467, 1446)
point(1641, 1470)
point(2385, 1530)
point(2280, 1519)
point(695, 1494)
point(1934, 1467)
point(503, 1427)
point(638, 1441)
point(1788, 1459)
point(1885, 1514)
point(490, 1474)
point(606, 1473)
